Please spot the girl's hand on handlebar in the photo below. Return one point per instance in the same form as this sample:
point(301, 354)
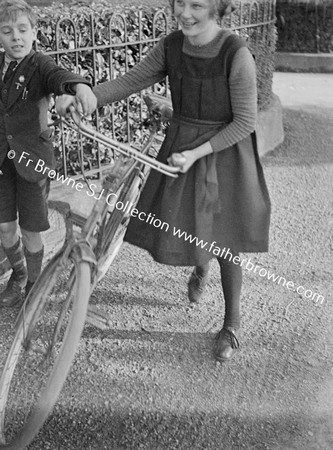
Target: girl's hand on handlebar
point(183, 160)
point(187, 158)
point(86, 100)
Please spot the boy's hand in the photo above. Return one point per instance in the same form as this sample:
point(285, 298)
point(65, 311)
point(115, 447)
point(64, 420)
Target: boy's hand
point(86, 101)
point(63, 103)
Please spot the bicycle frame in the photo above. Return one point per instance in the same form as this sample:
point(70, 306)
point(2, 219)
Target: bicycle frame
point(121, 174)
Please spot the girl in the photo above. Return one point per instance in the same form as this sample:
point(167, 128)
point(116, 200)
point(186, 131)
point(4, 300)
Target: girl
point(220, 197)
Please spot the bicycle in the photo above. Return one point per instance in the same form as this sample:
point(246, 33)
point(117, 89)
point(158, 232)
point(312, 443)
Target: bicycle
point(50, 323)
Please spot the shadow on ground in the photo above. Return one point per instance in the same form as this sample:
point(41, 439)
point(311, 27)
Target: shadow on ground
point(163, 431)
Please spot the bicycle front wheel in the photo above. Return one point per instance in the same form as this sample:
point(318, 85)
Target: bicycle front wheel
point(48, 330)
point(61, 228)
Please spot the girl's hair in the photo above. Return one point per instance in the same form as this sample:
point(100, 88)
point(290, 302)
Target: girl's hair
point(11, 9)
point(219, 7)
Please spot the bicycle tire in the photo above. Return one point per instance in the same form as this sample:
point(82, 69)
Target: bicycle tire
point(60, 230)
point(48, 330)
point(116, 224)
point(129, 192)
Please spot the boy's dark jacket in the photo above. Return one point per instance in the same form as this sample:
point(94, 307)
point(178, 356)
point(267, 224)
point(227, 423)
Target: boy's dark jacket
point(24, 105)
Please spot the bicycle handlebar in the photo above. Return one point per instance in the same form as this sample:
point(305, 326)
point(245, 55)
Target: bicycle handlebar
point(125, 149)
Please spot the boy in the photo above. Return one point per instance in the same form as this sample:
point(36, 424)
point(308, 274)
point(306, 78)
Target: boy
point(27, 78)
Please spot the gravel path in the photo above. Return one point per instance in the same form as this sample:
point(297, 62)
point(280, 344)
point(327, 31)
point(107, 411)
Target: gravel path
point(150, 382)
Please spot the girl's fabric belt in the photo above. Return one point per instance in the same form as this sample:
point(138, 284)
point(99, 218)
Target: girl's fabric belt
point(198, 122)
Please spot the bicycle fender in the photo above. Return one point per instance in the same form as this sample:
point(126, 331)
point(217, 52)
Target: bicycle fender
point(81, 251)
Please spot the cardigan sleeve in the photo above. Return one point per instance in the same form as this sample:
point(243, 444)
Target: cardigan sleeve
point(243, 97)
point(148, 71)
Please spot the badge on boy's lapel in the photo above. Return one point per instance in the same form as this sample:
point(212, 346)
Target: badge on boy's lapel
point(20, 81)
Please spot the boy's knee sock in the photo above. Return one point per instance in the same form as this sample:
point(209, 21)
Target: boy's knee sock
point(34, 264)
point(15, 256)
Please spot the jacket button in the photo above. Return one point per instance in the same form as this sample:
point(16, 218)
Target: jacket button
point(6, 115)
point(9, 136)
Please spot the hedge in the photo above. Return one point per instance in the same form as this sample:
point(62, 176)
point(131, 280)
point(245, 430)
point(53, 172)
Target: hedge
point(305, 27)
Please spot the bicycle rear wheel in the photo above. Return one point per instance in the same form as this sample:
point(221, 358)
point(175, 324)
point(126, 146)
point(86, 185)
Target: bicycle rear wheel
point(114, 229)
point(48, 330)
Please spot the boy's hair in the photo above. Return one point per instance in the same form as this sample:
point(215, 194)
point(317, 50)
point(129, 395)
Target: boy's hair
point(219, 7)
point(11, 9)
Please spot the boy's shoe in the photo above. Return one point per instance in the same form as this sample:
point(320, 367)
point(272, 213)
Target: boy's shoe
point(13, 294)
point(226, 344)
point(196, 287)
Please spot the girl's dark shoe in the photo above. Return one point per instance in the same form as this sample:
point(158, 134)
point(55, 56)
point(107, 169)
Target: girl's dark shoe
point(226, 344)
point(196, 287)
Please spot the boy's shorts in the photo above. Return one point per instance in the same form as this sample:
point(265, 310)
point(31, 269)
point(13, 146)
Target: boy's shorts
point(29, 200)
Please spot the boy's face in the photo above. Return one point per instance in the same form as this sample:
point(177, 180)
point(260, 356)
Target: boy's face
point(16, 37)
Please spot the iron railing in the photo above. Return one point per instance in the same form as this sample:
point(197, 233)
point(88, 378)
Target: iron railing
point(102, 46)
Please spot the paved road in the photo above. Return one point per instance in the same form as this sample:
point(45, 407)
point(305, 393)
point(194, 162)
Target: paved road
point(304, 90)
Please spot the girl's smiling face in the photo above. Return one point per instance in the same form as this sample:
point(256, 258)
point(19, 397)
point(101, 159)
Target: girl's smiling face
point(17, 36)
point(197, 20)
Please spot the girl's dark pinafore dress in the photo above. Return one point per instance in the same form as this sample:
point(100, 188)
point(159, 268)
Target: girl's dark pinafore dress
point(222, 201)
